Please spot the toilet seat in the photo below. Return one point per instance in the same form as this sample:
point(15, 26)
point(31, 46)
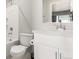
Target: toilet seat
point(18, 50)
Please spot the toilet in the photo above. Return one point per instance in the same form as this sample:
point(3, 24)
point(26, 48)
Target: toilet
point(18, 51)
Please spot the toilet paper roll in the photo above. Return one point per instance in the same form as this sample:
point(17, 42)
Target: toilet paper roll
point(32, 42)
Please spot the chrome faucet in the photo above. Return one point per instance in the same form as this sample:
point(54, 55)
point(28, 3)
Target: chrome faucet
point(60, 25)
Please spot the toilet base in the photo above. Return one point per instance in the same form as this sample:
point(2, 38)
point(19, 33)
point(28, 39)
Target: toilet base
point(26, 56)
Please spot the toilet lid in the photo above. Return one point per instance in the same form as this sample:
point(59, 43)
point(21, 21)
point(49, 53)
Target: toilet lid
point(18, 48)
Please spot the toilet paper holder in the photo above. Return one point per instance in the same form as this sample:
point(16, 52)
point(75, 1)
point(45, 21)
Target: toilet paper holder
point(32, 42)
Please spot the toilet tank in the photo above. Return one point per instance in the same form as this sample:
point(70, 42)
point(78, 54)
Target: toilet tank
point(25, 39)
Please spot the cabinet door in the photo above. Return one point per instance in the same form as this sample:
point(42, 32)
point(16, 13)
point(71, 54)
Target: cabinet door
point(45, 52)
point(64, 54)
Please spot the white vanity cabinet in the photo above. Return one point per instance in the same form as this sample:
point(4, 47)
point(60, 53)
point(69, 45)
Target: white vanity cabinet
point(49, 46)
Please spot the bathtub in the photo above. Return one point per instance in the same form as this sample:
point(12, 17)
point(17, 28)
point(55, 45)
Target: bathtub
point(9, 44)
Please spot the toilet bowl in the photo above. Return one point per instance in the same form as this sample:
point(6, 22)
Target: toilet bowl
point(18, 51)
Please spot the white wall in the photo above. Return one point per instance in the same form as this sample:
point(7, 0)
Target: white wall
point(36, 14)
point(25, 6)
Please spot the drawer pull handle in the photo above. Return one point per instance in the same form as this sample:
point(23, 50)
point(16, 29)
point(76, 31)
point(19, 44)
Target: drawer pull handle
point(60, 55)
point(56, 55)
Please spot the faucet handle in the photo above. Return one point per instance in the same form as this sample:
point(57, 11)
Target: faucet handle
point(64, 27)
point(59, 20)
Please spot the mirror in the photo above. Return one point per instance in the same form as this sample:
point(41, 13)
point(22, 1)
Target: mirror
point(56, 10)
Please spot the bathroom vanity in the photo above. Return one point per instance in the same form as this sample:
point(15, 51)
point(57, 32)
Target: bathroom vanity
point(53, 44)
